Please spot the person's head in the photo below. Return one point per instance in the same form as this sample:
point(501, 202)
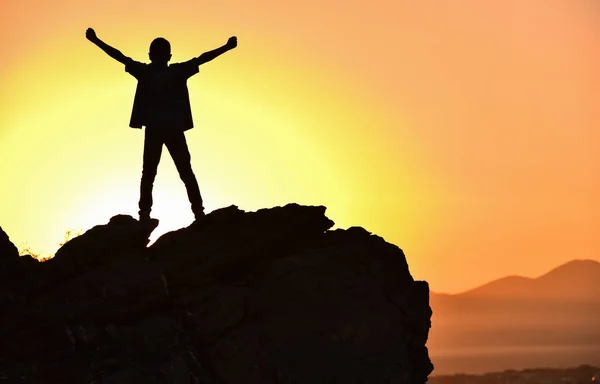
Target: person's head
point(160, 51)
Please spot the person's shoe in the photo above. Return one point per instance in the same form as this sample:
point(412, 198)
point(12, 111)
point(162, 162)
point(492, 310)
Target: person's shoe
point(147, 221)
point(199, 215)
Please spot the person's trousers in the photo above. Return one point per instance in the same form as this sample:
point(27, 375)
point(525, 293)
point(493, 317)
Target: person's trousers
point(177, 146)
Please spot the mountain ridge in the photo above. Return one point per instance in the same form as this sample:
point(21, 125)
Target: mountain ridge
point(575, 279)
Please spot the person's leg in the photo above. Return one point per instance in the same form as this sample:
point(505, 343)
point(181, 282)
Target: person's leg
point(152, 150)
point(178, 149)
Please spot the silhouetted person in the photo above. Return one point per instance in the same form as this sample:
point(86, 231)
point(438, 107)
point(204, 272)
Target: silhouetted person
point(162, 105)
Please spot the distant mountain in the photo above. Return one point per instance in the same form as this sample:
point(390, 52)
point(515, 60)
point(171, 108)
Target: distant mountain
point(505, 286)
point(575, 280)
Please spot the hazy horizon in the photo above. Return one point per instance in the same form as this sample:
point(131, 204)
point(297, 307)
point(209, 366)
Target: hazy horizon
point(518, 323)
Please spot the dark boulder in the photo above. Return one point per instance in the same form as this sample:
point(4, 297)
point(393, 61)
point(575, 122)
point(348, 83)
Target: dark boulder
point(272, 296)
point(7, 248)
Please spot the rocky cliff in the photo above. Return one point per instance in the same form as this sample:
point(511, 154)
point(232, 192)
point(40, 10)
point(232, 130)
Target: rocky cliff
point(272, 296)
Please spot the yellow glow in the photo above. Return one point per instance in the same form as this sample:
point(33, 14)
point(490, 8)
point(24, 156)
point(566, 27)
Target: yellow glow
point(264, 137)
point(464, 132)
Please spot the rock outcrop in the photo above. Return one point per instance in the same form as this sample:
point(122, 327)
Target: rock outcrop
point(272, 296)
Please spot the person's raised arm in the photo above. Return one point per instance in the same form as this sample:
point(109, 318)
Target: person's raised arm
point(208, 56)
point(90, 34)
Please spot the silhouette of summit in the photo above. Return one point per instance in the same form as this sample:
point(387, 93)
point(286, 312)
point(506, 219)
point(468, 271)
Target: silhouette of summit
point(577, 280)
point(272, 296)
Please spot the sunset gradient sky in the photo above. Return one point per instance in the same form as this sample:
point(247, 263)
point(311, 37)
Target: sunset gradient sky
point(466, 132)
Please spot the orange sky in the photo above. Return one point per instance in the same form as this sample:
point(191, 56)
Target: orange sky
point(465, 132)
